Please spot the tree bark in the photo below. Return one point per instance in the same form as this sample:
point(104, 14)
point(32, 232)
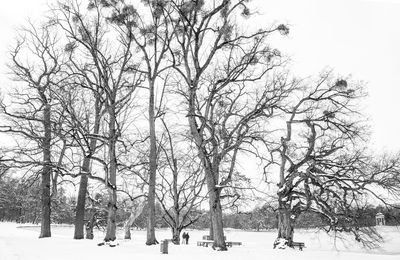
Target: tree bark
point(135, 212)
point(80, 205)
point(285, 224)
point(176, 231)
point(46, 175)
point(112, 181)
point(211, 175)
point(151, 237)
point(111, 218)
point(211, 227)
point(176, 235)
point(90, 225)
point(216, 219)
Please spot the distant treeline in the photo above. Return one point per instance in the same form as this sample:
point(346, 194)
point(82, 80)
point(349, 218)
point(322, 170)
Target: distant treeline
point(20, 202)
point(266, 218)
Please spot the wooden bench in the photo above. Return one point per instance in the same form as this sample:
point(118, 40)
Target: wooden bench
point(231, 243)
point(300, 245)
point(205, 243)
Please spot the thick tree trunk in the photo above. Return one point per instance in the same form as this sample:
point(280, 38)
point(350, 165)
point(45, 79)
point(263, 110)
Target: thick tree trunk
point(151, 222)
point(211, 174)
point(286, 221)
point(81, 203)
point(112, 181)
point(90, 225)
point(46, 175)
point(176, 235)
point(135, 213)
point(211, 228)
point(216, 220)
point(111, 218)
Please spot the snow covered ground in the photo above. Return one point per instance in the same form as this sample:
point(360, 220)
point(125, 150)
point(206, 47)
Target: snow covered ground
point(22, 243)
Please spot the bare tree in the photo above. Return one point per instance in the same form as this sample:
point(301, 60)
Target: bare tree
point(221, 69)
point(105, 71)
point(36, 64)
point(322, 165)
point(152, 35)
point(180, 191)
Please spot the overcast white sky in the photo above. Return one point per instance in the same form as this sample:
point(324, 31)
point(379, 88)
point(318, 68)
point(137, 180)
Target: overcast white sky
point(357, 37)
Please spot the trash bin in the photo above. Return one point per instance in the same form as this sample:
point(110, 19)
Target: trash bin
point(164, 246)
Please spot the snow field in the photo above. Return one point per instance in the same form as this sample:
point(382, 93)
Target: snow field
point(22, 243)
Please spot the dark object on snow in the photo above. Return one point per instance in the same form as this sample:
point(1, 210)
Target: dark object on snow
point(110, 243)
point(232, 243)
point(281, 243)
point(300, 245)
point(184, 238)
point(164, 246)
point(205, 243)
point(187, 238)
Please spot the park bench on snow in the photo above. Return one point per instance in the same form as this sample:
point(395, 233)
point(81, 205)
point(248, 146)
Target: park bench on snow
point(281, 243)
point(206, 243)
point(300, 245)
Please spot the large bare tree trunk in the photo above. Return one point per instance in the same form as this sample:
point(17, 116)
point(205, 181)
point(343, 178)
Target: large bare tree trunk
point(111, 218)
point(211, 234)
point(151, 222)
point(285, 221)
point(80, 205)
point(176, 235)
point(216, 219)
point(212, 176)
point(112, 181)
point(135, 212)
point(285, 225)
point(46, 175)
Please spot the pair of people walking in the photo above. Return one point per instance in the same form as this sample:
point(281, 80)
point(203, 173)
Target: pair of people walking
point(185, 238)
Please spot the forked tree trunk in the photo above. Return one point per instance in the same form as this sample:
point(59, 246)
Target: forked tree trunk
point(46, 175)
point(285, 224)
point(151, 222)
point(135, 213)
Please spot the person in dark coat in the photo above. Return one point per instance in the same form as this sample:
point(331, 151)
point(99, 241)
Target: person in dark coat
point(184, 238)
point(187, 238)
